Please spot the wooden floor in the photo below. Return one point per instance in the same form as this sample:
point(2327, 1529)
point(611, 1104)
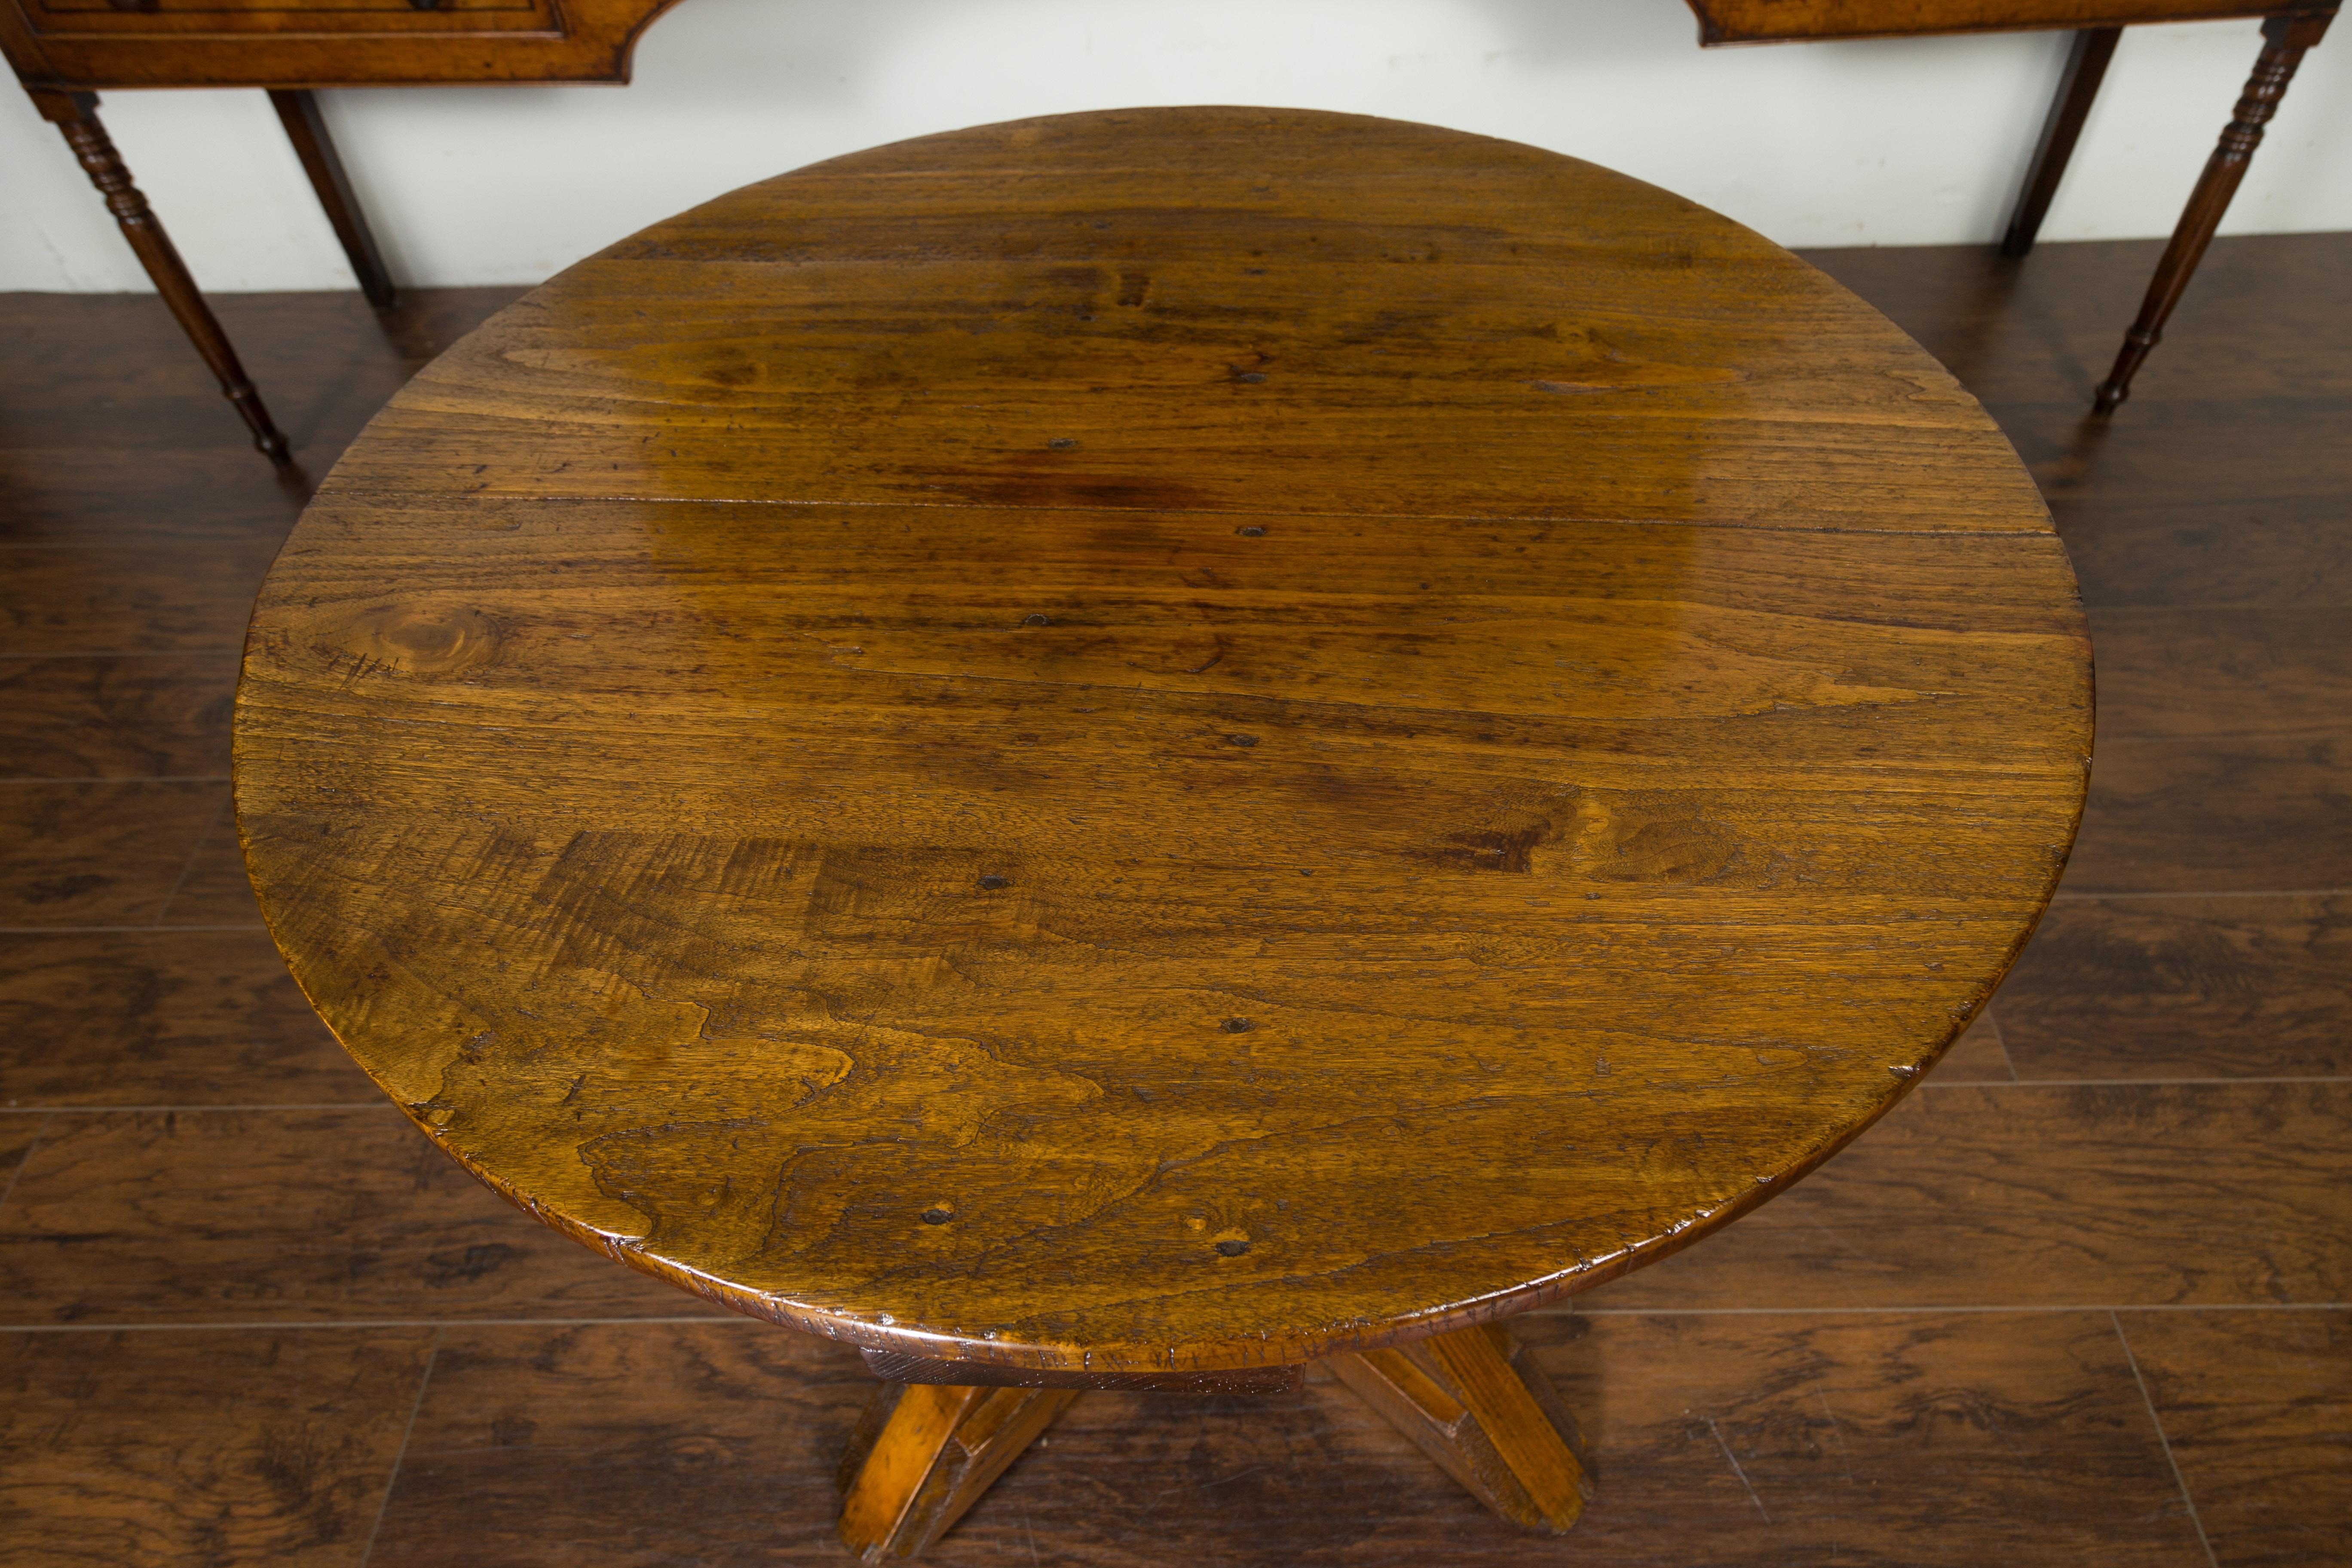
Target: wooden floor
point(2082, 1299)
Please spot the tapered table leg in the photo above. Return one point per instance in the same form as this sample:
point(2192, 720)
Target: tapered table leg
point(76, 114)
point(2284, 39)
point(2078, 86)
point(307, 128)
point(923, 1454)
point(1479, 1405)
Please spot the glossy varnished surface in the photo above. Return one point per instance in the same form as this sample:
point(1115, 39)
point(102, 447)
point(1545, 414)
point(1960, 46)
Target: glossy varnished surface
point(1900, 1432)
point(1165, 740)
point(1776, 21)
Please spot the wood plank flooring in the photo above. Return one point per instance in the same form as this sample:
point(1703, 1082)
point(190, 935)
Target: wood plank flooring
point(2083, 1297)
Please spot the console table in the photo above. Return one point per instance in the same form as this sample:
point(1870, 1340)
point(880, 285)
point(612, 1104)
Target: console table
point(66, 51)
point(1127, 750)
point(2288, 30)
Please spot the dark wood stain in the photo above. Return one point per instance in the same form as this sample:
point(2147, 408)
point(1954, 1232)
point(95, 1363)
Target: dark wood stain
point(215, 891)
point(98, 854)
point(204, 1448)
point(161, 717)
point(1923, 1438)
point(2255, 1406)
point(1911, 1461)
point(2184, 987)
point(2195, 674)
point(2088, 1193)
point(1638, 797)
point(1978, 1055)
point(204, 1216)
point(86, 599)
point(161, 1018)
point(2262, 814)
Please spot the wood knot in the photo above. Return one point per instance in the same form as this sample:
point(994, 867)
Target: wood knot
point(1236, 1026)
point(991, 882)
point(422, 639)
point(1232, 1249)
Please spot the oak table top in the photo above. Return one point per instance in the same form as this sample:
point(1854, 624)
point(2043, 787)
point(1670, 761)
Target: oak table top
point(1163, 740)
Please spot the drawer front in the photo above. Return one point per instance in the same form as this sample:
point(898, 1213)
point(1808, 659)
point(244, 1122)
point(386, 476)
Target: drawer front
point(170, 17)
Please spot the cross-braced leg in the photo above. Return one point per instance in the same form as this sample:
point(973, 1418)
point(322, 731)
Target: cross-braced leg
point(925, 1452)
point(1478, 1404)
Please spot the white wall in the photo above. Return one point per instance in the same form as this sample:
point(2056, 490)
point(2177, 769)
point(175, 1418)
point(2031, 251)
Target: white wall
point(1898, 143)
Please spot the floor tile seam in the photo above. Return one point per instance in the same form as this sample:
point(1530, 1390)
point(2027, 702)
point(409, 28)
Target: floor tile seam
point(205, 650)
point(115, 779)
point(1993, 1022)
point(195, 853)
point(1931, 1081)
point(1572, 1310)
point(2318, 731)
point(2066, 897)
point(22, 781)
point(2164, 1440)
point(120, 931)
point(392, 1477)
point(221, 653)
point(8, 1188)
point(372, 1325)
point(376, 1103)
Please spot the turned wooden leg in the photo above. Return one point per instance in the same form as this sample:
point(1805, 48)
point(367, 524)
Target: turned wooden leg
point(307, 128)
point(2284, 39)
point(2078, 84)
point(1480, 1406)
point(76, 114)
point(924, 1453)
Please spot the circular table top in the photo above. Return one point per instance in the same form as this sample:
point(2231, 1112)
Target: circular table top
point(1166, 740)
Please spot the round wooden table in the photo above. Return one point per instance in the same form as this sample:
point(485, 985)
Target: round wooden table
point(1132, 749)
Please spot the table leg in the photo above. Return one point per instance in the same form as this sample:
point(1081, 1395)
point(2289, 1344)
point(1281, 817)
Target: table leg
point(76, 114)
point(1479, 1405)
point(925, 1452)
point(307, 128)
point(2284, 39)
point(2078, 84)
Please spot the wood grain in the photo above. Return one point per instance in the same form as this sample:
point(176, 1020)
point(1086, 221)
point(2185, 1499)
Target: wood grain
point(70, 599)
point(2223, 815)
point(2020, 1196)
point(1773, 21)
point(1380, 598)
point(161, 1018)
point(293, 45)
point(952, 327)
point(2034, 337)
point(706, 1442)
point(116, 718)
point(924, 1453)
point(2171, 674)
point(1915, 1439)
point(215, 891)
point(1482, 1408)
point(2258, 1408)
point(202, 1447)
point(98, 854)
point(198, 1217)
point(2223, 551)
point(2183, 987)
point(2152, 456)
point(1979, 1054)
